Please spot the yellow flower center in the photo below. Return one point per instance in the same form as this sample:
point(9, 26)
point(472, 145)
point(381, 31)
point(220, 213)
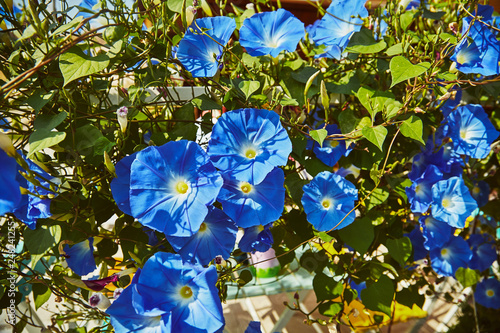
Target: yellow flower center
point(186, 292)
point(462, 58)
point(463, 134)
point(181, 187)
point(250, 153)
point(444, 252)
point(334, 143)
point(203, 227)
point(490, 293)
point(326, 204)
point(246, 187)
point(446, 203)
point(260, 227)
point(476, 190)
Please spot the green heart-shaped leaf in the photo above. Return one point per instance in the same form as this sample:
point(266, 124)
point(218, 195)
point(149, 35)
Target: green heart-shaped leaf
point(402, 69)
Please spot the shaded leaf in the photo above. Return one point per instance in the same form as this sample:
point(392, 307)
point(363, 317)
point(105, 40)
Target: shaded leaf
point(378, 296)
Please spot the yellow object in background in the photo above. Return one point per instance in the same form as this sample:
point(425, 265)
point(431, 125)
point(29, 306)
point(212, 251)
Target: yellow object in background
point(363, 319)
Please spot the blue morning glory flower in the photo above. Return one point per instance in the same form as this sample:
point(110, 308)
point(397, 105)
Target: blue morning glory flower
point(216, 236)
point(454, 254)
point(471, 131)
point(187, 291)
point(435, 232)
point(452, 202)
point(332, 150)
point(120, 185)
point(250, 204)
point(451, 103)
point(32, 207)
point(420, 192)
point(417, 243)
point(327, 201)
point(335, 30)
point(484, 251)
point(481, 193)
point(124, 317)
point(488, 293)
point(171, 186)
point(271, 32)
point(87, 4)
point(479, 51)
point(201, 54)
point(253, 327)
point(249, 143)
point(10, 195)
point(445, 159)
point(258, 238)
point(80, 257)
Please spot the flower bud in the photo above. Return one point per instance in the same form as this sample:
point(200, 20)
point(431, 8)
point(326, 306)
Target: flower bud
point(121, 114)
point(190, 14)
point(6, 145)
point(220, 261)
point(108, 163)
point(99, 301)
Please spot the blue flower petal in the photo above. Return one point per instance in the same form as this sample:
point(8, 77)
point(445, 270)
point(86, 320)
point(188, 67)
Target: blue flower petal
point(10, 195)
point(271, 32)
point(120, 186)
point(258, 238)
point(488, 293)
point(199, 53)
point(171, 186)
point(125, 318)
point(187, 291)
point(484, 251)
point(435, 232)
point(471, 131)
point(216, 237)
point(80, 257)
point(328, 199)
point(454, 254)
point(452, 202)
point(250, 204)
point(249, 143)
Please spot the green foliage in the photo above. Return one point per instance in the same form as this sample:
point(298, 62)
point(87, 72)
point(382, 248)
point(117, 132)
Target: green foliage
point(402, 69)
point(379, 295)
point(62, 80)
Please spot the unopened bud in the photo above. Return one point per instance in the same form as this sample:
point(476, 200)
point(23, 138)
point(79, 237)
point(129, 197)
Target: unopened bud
point(453, 27)
point(296, 295)
point(121, 114)
point(445, 96)
point(107, 162)
point(99, 301)
point(220, 261)
point(453, 67)
point(190, 14)
point(6, 145)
